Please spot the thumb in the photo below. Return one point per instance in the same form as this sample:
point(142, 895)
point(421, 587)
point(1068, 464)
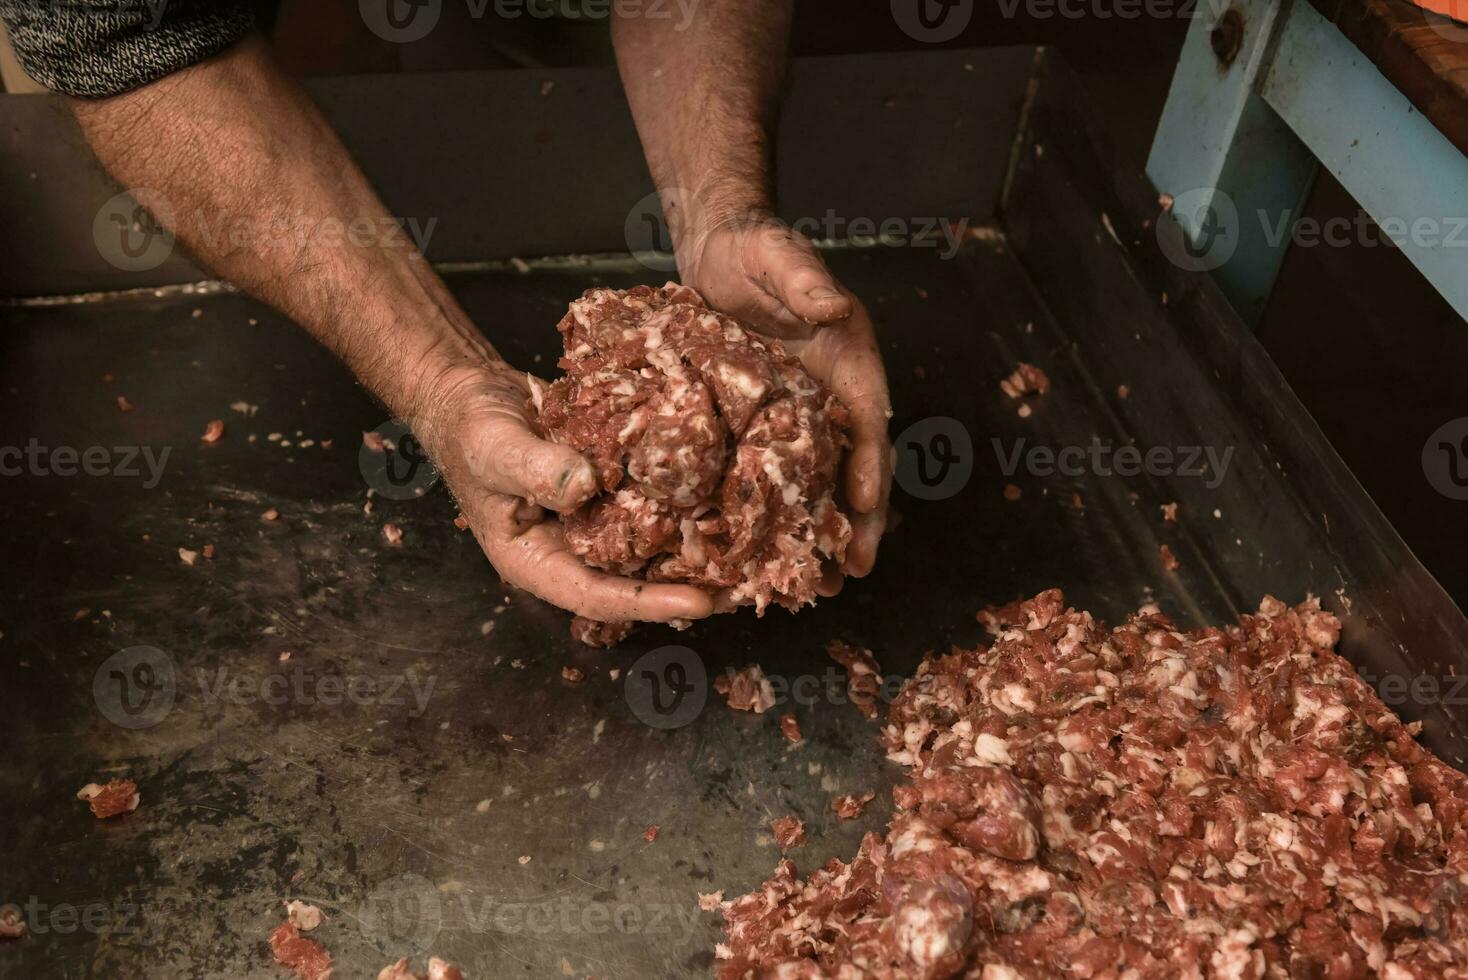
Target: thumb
point(517, 462)
point(790, 268)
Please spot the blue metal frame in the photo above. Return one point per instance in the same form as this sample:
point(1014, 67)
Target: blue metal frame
point(1240, 137)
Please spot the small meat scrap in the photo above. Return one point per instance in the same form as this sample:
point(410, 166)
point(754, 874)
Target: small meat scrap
point(1012, 492)
point(392, 534)
point(207, 551)
point(1169, 560)
point(437, 970)
point(1026, 614)
point(863, 675)
point(710, 901)
point(117, 797)
point(187, 557)
point(790, 728)
point(747, 689)
point(270, 515)
point(461, 522)
point(850, 806)
point(651, 833)
point(1026, 380)
point(572, 675)
point(1141, 802)
point(374, 442)
point(123, 405)
point(213, 431)
point(1169, 513)
point(306, 958)
point(594, 633)
point(789, 831)
point(12, 924)
point(304, 917)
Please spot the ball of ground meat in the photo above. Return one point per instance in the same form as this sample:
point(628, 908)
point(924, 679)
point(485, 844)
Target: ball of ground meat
point(716, 452)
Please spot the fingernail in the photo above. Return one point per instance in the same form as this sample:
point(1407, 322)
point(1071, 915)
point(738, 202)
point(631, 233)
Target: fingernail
point(822, 294)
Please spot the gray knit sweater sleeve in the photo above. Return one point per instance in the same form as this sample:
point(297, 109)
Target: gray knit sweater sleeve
point(96, 48)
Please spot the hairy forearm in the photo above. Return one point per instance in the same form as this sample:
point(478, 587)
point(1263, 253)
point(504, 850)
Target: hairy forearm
point(704, 93)
point(233, 156)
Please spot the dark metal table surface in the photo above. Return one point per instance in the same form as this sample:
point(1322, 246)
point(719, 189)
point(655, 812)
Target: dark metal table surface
point(418, 767)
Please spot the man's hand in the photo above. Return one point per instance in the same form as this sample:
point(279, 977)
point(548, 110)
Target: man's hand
point(503, 475)
point(703, 94)
point(259, 156)
point(772, 278)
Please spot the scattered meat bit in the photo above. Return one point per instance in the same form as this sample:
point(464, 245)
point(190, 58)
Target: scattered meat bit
point(187, 557)
point(437, 970)
point(1024, 411)
point(715, 451)
point(1169, 513)
point(392, 534)
point(1076, 501)
point(123, 405)
point(789, 831)
point(524, 859)
point(572, 675)
point(207, 551)
point(306, 958)
point(284, 656)
point(790, 728)
point(747, 689)
point(367, 508)
point(1026, 379)
point(863, 675)
point(118, 796)
point(12, 926)
point(594, 633)
point(1164, 201)
point(710, 901)
point(327, 443)
point(1169, 560)
point(461, 522)
point(1122, 391)
point(850, 806)
point(213, 431)
point(651, 833)
point(374, 441)
point(304, 917)
point(270, 515)
point(1012, 492)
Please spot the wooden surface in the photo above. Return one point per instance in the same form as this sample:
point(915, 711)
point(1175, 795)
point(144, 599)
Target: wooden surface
point(1423, 54)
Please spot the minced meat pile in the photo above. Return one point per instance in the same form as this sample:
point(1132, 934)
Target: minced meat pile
point(716, 452)
point(1135, 803)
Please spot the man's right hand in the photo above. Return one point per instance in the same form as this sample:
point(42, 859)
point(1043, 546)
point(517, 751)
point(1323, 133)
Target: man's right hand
point(505, 476)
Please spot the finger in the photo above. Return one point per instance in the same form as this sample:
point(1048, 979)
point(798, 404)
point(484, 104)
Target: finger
point(831, 581)
point(788, 267)
point(540, 562)
point(520, 463)
point(860, 381)
point(866, 537)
